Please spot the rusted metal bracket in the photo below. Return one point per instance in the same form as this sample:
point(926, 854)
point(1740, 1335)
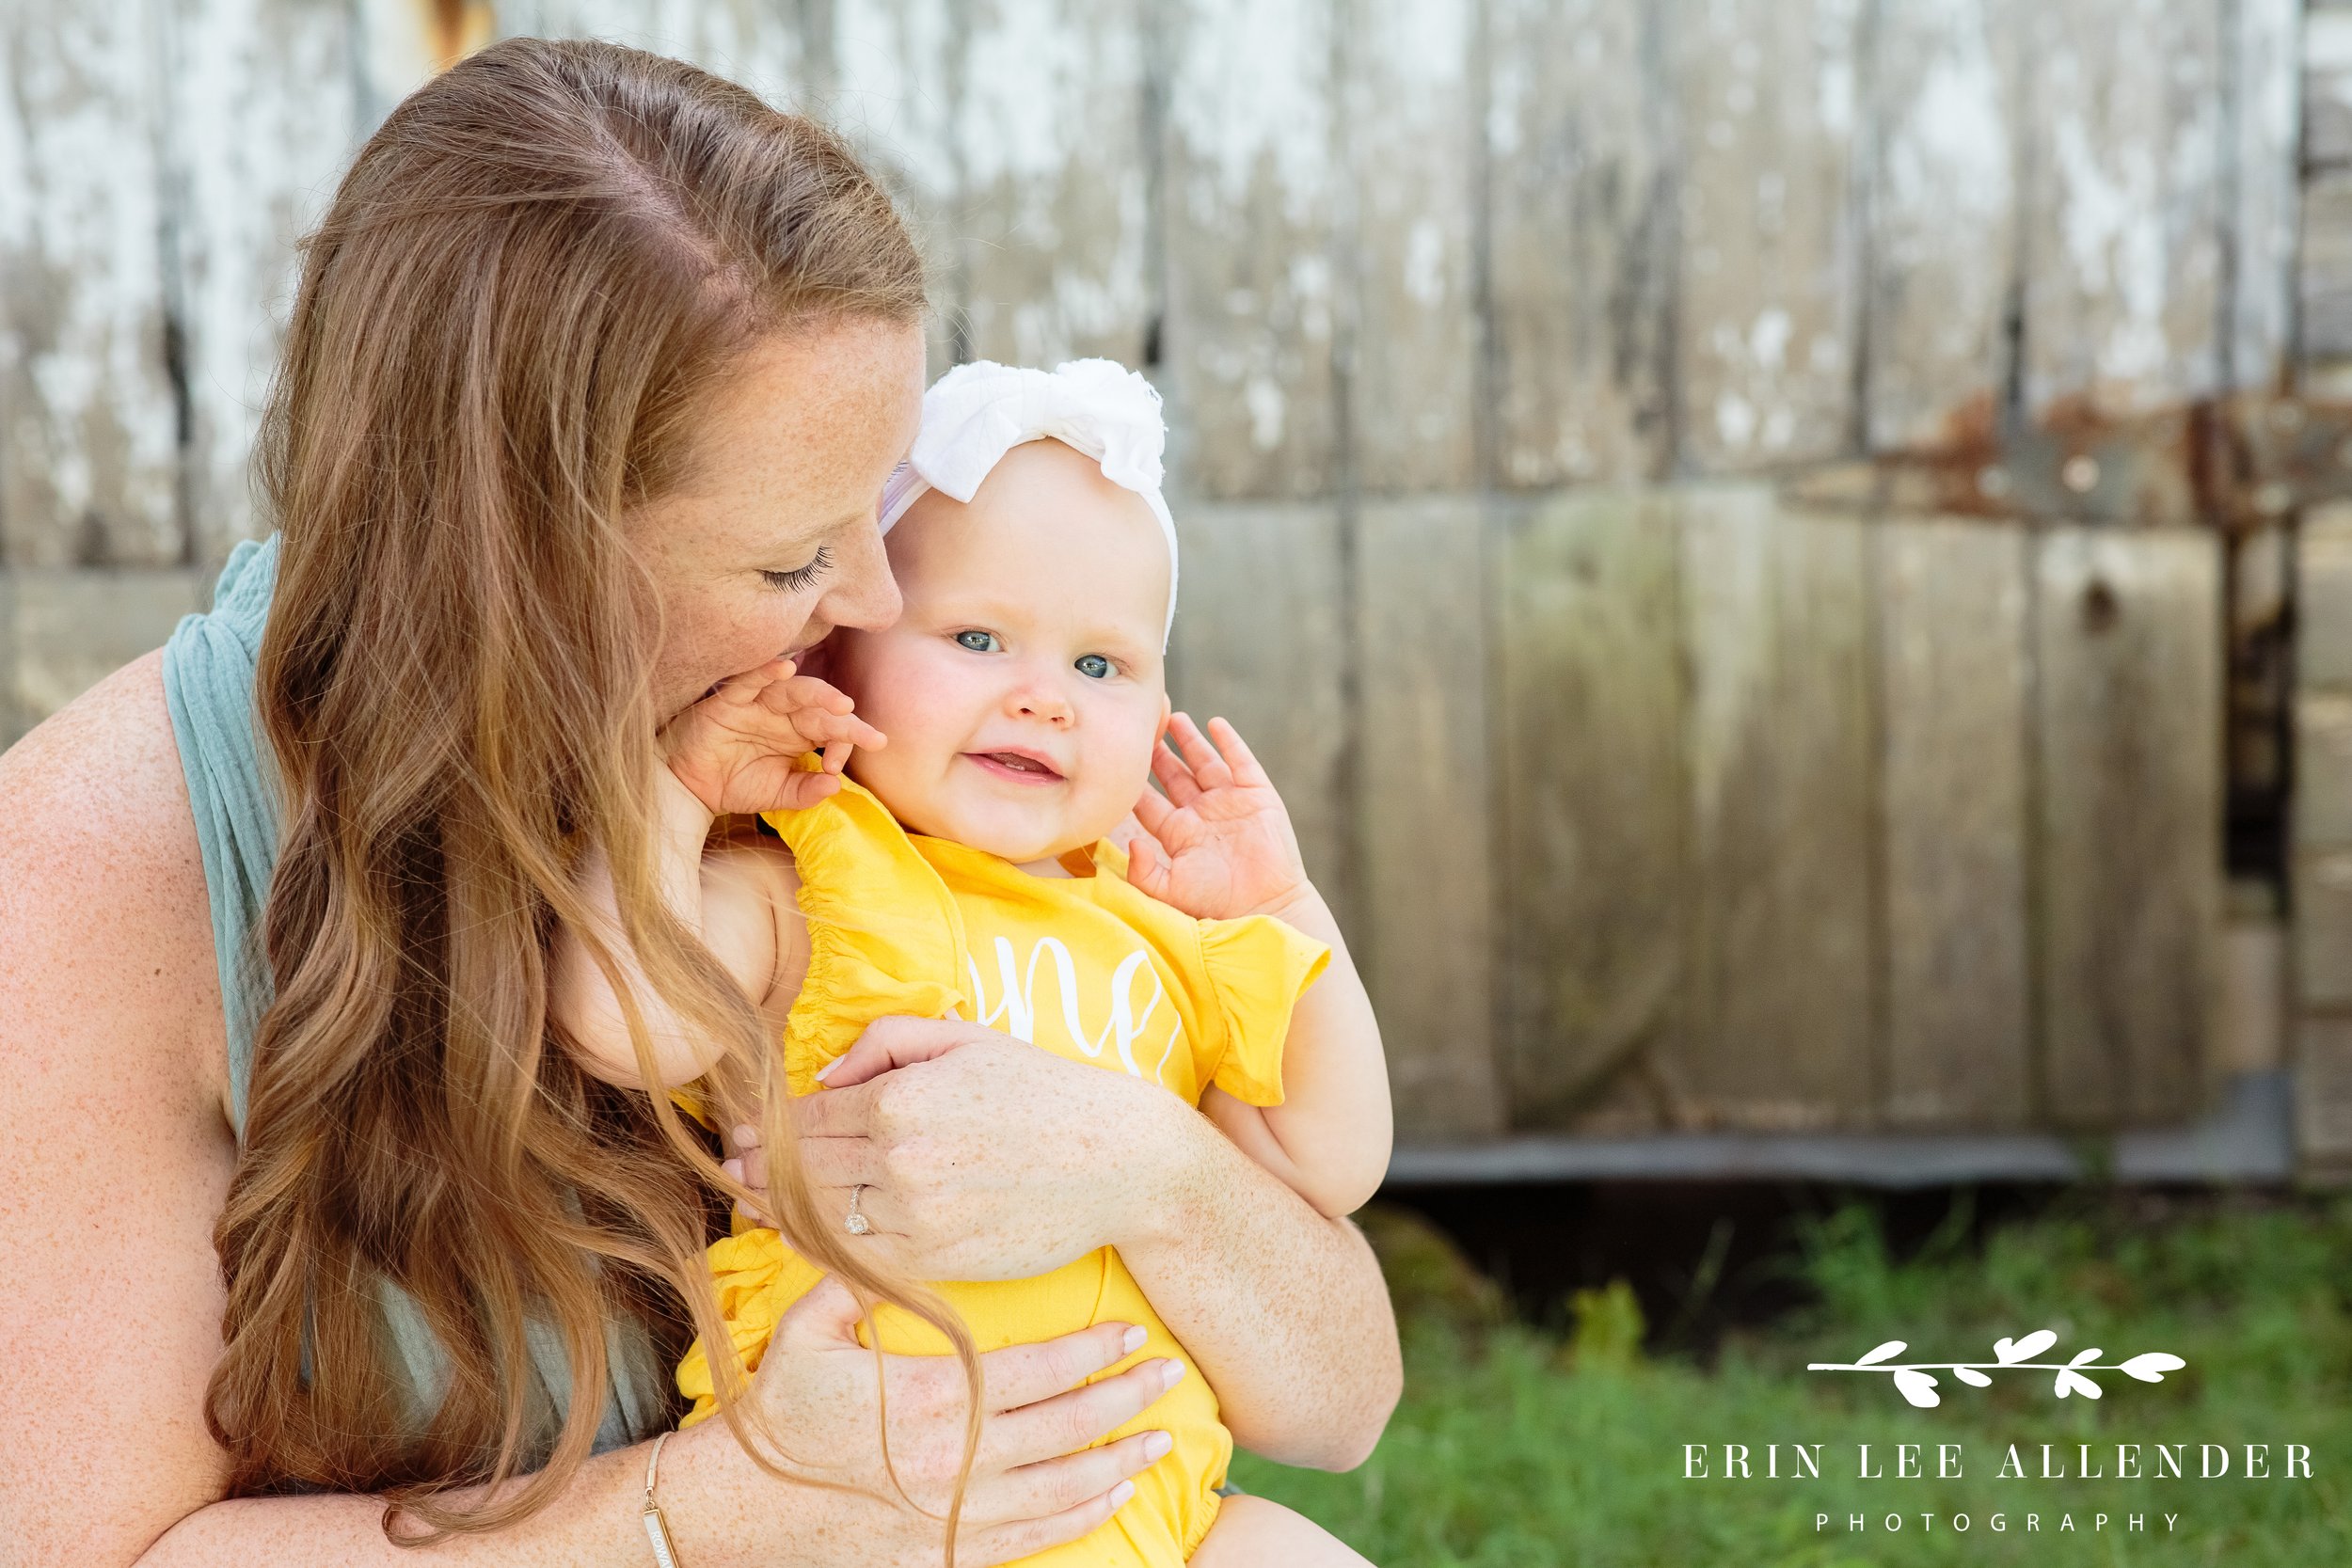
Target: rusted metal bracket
point(2237, 464)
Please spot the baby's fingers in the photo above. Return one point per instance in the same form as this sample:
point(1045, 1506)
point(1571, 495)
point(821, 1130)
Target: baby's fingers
point(805, 691)
point(1207, 765)
point(1153, 812)
point(820, 712)
point(821, 729)
point(1175, 776)
point(1238, 755)
point(1146, 868)
point(752, 1171)
point(804, 790)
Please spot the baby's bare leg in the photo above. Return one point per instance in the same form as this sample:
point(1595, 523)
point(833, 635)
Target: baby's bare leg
point(1255, 1532)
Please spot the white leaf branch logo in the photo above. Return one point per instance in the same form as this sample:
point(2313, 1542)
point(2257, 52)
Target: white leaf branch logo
point(1912, 1379)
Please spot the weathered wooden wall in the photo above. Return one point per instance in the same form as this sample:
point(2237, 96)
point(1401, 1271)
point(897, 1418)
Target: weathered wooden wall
point(1661, 785)
point(2321, 847)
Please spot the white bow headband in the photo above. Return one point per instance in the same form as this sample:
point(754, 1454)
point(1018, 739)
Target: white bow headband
point(977, 413)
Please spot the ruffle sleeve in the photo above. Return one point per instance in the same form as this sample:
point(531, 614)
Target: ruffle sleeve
point(884, 934)
point(758, 1278)
point(1257, 969)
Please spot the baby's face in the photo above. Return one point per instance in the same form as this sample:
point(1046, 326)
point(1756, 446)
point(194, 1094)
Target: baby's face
point(1022, 687)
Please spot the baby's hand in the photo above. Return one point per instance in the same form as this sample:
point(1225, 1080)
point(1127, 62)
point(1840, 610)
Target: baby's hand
point(749, 1166)
point(1220, 845)
point(738, 749)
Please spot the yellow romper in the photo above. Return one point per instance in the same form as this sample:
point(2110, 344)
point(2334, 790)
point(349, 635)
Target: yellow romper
point(1090, 968)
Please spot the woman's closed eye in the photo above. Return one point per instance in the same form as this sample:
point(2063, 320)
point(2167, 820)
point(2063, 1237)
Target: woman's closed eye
point(800, 578)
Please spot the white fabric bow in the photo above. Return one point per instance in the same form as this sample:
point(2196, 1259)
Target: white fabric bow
point(977, 413)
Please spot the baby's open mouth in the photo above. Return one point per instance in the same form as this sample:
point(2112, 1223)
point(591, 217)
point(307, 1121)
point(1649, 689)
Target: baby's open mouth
point(1017, 765)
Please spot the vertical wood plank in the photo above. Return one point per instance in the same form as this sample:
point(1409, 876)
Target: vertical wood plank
point(2324, 272)
point(1589, 718)
point(894, 94)
point(2323, 1095)
point(1055, 181)
point(1945, 107)
point(2123, 278)
point(1413, 170)
point(2127, 634)
point(89, 458)
point(1424, 838)
point(1952, 717)
point(2266, 126)
point(264, 101)
point(1250, 206)
point(2327, 61)
point(1769, 93)
point(1581, 218)
point(1781, 938)
point(2322, 837)
point(1261, 637)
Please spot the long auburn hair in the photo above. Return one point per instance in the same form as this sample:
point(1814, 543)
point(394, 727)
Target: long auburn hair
point(527, 285)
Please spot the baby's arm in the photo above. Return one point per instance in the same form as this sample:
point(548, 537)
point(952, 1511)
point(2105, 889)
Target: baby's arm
point(1222, 848)
point(736, 750)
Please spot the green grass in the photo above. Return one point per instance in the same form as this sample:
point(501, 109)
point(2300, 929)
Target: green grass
point(1513, 1448)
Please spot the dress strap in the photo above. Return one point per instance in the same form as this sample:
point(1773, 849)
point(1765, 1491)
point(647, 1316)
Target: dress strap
point(208, 686)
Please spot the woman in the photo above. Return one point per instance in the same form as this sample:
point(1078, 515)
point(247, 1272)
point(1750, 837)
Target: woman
point(593, 378)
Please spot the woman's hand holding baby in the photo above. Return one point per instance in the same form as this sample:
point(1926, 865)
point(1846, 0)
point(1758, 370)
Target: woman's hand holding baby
point(740, 749)
point(981, 1156)
point(1034, 1481)
point(1220, 845)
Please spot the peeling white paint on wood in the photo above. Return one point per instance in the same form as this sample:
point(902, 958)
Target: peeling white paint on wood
point(1054, 204)
point(894, 95)
point(2267, 117)
point(1250, 217)
point(1412, 164)
point(1581, 259)
point(2326, 55)
point(1769, 254)
point(1248, 97)
point(2123, 248)
point(89, 446)
point(253, 167)
point(1943, 215)
point(743, 40)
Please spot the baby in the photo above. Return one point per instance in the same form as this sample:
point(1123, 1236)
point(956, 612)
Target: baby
point(951, 867)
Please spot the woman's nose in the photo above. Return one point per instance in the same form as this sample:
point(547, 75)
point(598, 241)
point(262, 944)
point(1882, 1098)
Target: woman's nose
point(865, 596)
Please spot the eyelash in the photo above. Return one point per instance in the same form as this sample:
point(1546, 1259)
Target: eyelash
point(800, 576)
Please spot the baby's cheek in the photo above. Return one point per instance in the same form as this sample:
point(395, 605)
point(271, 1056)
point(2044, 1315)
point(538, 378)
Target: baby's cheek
point(1124, 764)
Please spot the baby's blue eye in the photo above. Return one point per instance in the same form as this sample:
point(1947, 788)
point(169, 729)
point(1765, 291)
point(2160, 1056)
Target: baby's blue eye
point(1094, 666)
point(978, 641)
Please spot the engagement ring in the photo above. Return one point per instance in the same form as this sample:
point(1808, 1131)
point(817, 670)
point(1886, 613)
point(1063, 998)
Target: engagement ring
point(856, 1222)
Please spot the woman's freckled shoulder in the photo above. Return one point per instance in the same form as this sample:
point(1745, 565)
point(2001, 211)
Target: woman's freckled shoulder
point(102, 884)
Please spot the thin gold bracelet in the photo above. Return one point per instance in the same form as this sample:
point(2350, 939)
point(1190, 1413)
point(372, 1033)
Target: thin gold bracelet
point(657, 1528)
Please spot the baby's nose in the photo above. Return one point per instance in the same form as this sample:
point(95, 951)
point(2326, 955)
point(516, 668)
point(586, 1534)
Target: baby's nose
point(1043, 701)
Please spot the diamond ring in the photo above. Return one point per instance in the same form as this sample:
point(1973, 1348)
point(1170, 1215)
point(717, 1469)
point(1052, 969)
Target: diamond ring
point(856, 1224)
